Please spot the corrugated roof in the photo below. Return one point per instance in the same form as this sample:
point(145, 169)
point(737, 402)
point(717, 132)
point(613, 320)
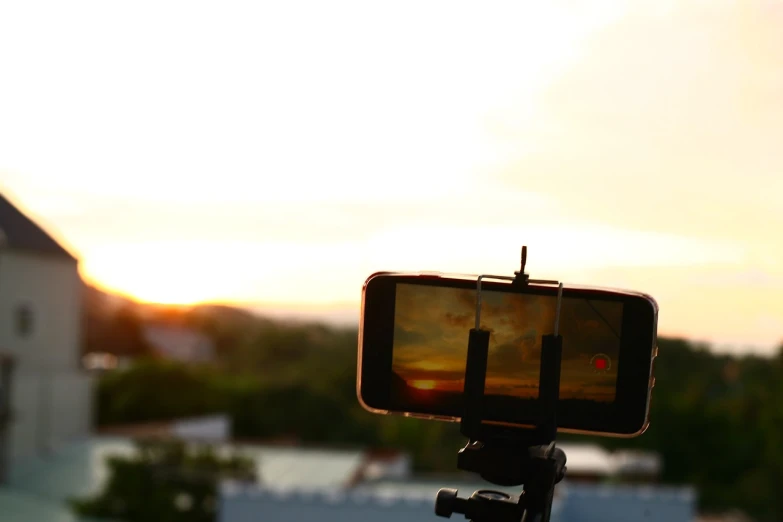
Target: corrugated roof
point(245, 504)
point(621, 503)
point(411, 501)
point(427, 489)
point(21, 232)
point(587, 458)
point(322, 508)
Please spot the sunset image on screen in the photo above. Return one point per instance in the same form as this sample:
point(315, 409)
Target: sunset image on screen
point(431, 337)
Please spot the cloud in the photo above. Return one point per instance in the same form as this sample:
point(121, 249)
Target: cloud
point(465, 321)
point(515, 354)
point(403, 337)
point(466, 300)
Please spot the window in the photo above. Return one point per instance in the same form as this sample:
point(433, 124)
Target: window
point(24, 321)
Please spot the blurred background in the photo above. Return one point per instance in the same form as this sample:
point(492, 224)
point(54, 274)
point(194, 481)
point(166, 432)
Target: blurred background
point(193, 194)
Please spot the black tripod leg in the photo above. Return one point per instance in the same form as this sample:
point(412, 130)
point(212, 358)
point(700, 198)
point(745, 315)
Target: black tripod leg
point(537, 516)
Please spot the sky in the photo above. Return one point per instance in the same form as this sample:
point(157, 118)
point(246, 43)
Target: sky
point(430, 341)
point(276, 154)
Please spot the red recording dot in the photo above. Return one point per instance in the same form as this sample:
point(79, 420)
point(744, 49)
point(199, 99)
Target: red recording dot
point(600, 364)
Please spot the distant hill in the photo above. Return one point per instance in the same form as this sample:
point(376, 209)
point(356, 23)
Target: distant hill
point(101, 304)
point(114, 323)
point(228, 313)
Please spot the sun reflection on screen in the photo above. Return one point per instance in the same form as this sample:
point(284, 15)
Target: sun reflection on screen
point(423, 384)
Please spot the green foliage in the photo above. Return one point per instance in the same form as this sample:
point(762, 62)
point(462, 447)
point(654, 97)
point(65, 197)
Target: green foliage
point(165, 481)
point(120, 333)
point(157, 390)
point(716, 420)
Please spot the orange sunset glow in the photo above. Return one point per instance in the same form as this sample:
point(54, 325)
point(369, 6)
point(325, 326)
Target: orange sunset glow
point(255, 156)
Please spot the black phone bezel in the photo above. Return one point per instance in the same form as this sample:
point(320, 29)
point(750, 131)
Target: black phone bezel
point(627, 416)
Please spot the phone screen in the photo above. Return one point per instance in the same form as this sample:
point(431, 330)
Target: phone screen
point(429, 345)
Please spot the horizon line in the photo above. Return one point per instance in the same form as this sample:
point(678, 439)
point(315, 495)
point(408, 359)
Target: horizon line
point(348, 314)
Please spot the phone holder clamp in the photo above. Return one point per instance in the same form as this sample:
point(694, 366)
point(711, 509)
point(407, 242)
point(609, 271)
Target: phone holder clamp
point(509, 455)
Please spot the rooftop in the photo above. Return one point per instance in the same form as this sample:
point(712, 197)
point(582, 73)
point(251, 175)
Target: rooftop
point(18, 231)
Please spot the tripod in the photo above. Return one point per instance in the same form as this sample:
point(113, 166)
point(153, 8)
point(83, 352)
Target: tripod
point(509, 456)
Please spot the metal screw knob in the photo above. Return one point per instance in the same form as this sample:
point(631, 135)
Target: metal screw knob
point(445, 502)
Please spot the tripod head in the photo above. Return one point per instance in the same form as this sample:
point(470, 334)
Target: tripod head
point(509, 455)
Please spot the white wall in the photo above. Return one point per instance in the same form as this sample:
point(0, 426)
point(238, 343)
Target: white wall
point(180, 344)
point(52, 287)
point(51, 395)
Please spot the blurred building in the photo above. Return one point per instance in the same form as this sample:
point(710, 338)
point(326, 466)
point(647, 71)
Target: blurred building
point(6, 370)
point(41, 331)
point(209, 429)
point(593, 463)
point(179, 343)
point(587, 462)
point(634, 466)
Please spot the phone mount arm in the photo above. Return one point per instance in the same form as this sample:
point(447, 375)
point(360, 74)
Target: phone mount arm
point(509, 456)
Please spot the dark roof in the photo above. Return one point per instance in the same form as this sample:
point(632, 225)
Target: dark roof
point(22, 233)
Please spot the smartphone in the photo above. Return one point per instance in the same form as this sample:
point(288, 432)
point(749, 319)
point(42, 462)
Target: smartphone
point(413, 341)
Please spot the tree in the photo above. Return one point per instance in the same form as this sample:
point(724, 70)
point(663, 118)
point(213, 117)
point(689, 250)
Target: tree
point(126, 335)
point(165, 481)
point(120, 333)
